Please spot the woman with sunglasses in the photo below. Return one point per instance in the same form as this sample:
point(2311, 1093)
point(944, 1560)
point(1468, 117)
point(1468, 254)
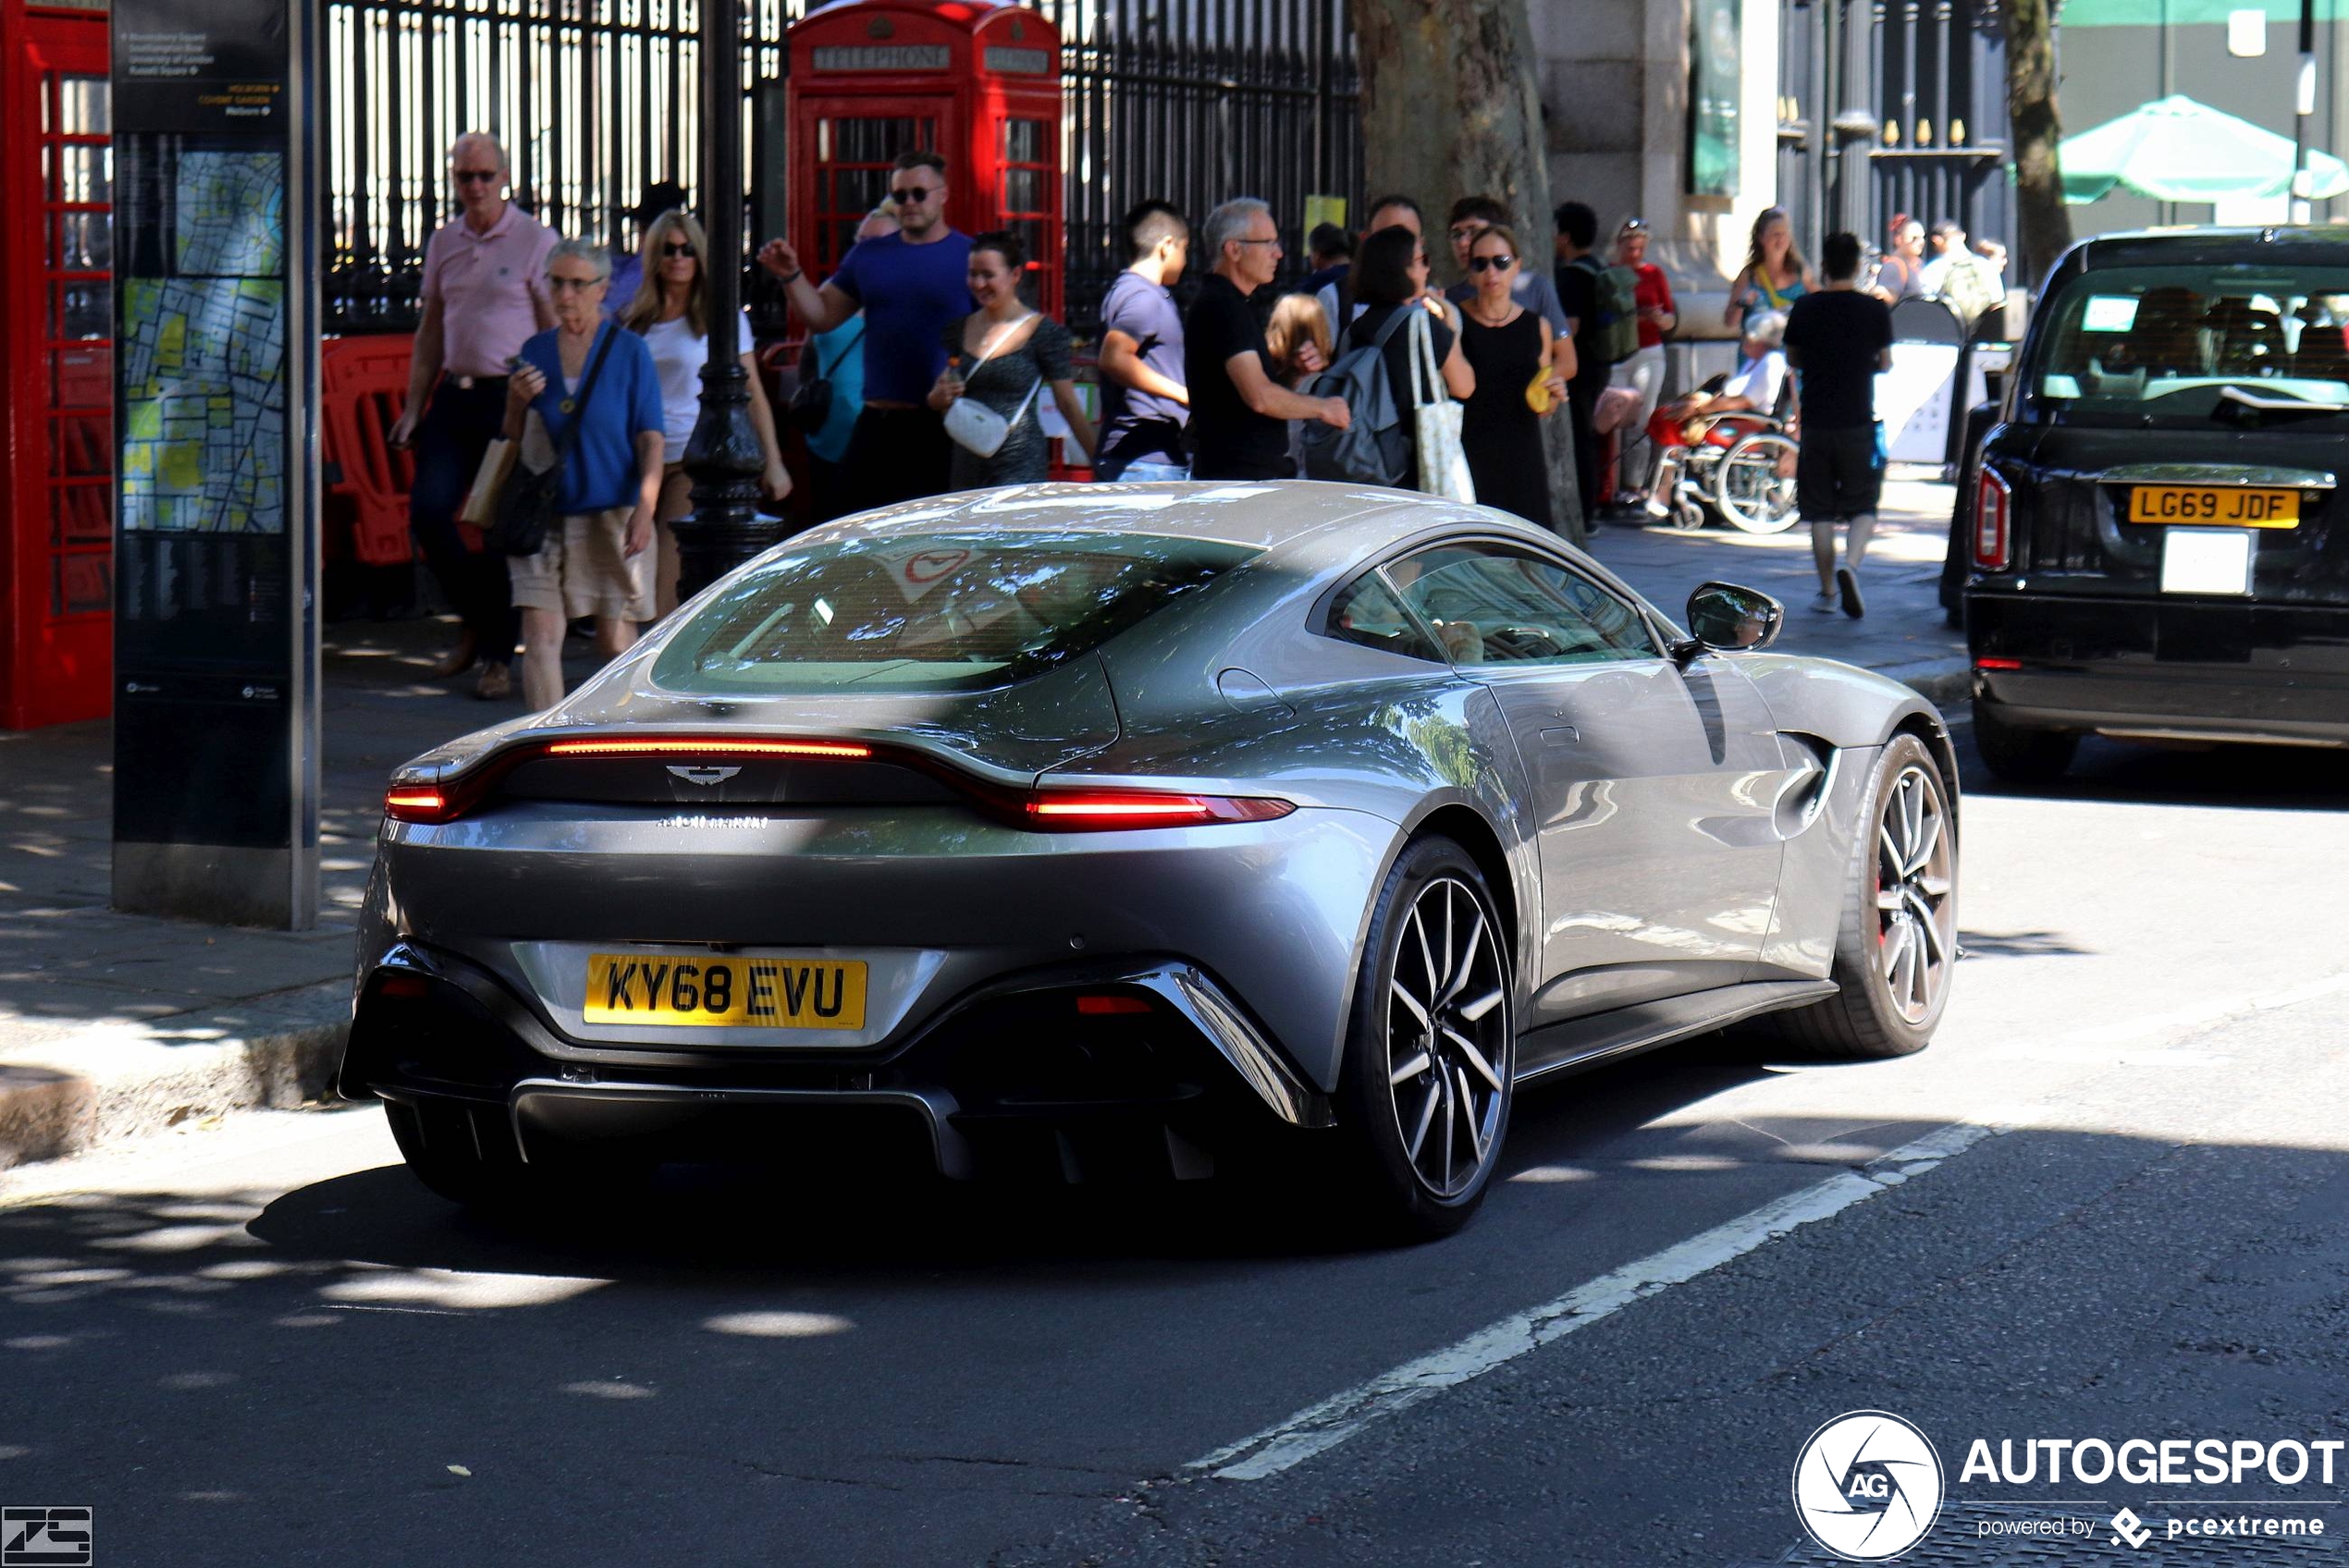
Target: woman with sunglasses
point(670, 312)
point(1508, 348)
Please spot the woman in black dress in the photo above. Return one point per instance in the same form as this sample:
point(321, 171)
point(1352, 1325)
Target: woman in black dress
point(1390, 276)
point(1508, 347)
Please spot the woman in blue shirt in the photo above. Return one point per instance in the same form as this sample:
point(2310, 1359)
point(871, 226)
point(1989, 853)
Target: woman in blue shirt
point(597, 561)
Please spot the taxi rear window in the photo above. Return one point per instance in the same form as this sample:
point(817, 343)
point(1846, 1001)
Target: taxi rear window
point(2168, 342)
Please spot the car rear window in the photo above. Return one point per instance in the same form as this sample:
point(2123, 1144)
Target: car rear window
point(2188, 344)
point(932, 612)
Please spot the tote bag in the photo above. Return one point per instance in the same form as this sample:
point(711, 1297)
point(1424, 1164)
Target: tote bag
point(1444, 469)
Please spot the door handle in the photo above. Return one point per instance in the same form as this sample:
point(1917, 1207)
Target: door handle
point(1564, 735)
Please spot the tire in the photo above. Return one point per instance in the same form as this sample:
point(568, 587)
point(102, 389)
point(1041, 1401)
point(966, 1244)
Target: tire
point(465, 1154)
point(1747, 488)
point(1431, 1053)
point(1896, 944)
point(2015, 755)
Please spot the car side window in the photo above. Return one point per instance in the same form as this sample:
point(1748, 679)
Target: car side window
point(1491, 605)
point(1367, 611)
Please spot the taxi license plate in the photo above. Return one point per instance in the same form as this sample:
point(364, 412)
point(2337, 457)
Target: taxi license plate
point(739, 993)
point(2215, 505)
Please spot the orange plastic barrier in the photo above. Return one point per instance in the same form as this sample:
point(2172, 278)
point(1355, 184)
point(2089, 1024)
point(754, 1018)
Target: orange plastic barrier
point(363, 382)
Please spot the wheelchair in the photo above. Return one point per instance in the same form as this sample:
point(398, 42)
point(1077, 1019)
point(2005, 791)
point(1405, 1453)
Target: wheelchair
point(1741, 465)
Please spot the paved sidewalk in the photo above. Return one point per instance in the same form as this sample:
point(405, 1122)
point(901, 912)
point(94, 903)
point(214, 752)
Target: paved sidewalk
point(112, 1024)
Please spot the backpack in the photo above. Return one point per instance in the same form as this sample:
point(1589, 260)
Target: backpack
point(1373, 448)
point(1616, 291)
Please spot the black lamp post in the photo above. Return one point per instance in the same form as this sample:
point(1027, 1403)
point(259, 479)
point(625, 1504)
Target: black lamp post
point(723, 458)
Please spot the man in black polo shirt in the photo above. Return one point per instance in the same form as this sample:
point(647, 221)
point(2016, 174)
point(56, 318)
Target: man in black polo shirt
point(1239, 411)
point(1837, 341)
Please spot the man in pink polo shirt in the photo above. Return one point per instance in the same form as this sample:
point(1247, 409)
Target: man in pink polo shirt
point(483, 297)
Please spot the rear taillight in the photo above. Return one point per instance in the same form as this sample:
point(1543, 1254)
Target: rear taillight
point(1993, 510)
point(1064, 811)
point(1106, 1006)
point(407, 803)
point(1998, 664)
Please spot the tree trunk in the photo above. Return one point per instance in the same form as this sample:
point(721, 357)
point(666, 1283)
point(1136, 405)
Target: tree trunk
point(1450, 109)
point(2043, 228)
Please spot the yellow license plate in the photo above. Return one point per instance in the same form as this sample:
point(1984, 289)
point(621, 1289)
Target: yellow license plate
point(754, 993)
point(2215, 505)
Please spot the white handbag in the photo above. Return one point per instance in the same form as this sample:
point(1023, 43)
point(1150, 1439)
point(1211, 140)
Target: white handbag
point(977, 428)
point(1444, 469)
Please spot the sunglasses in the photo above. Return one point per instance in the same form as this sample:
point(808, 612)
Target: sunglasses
point(475, 176)
point(914, 195)
point(1495, 264)
point(1634, 226)
point(567, 285)
point(677, 248)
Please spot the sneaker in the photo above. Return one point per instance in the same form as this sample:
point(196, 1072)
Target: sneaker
point(496, 684)
point(1847, 582)
point(1825, 604)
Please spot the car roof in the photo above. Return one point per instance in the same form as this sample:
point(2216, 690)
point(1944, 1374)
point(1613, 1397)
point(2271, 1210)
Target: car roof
point(2318, 244)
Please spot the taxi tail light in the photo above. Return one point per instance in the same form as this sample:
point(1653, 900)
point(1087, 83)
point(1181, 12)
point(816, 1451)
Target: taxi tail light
point(1992, 513)
point(1078, 811)
point(1998, 664)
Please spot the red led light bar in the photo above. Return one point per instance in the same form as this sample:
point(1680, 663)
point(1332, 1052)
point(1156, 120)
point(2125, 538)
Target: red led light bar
point(1998, 664)
point(684, 746)
point(1097, 1005)
point(1104, 809)
point(416, 803)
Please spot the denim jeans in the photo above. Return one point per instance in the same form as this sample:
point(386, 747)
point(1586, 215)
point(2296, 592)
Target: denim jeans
point(1150, 473)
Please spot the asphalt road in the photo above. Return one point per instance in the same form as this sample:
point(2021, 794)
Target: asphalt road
point(261, 1343)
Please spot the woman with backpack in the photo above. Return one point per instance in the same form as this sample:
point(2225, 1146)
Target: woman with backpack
point(1507, 348)
point(1390, 276)
point(1002, 357)
point(670, 312)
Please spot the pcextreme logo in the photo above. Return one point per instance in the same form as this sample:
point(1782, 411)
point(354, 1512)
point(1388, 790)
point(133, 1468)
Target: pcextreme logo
point(1867, 1486)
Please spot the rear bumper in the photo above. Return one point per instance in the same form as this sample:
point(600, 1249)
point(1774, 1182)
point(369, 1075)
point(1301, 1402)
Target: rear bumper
point(2163, 668)
point(1010, 1077)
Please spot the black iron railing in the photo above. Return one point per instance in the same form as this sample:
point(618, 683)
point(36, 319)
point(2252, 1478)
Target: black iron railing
point(1192, 101)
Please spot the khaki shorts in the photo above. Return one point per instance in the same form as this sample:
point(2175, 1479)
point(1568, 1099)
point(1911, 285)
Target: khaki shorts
point(581, 571)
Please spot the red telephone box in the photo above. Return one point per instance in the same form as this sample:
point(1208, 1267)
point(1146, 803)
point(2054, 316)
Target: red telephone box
point(978, 81)
point(56, 368)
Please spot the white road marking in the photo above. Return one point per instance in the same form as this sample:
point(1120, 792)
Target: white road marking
point(1319, 1427)
point(1323, 1426)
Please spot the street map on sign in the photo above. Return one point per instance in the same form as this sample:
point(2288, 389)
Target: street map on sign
point(204, 359)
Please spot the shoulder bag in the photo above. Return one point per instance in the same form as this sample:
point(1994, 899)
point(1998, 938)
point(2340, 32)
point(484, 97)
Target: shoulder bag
point(977, 428)
point(526, 508)
point(811, 406)
point(1444, 469)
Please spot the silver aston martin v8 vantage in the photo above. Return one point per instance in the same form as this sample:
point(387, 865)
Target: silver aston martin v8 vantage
point(1087, 832)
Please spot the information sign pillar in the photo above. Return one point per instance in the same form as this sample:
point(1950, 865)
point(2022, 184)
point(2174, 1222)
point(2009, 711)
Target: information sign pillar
point(216, 734)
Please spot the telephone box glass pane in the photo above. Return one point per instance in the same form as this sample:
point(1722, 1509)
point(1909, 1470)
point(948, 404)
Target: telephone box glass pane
point(80, 514)
point(80, 242)
point(82, 175)
point(82, 585)
point(82, 446)
point(80, 310)
point(1024, 142)
point(82, 105)
point(1023, 191)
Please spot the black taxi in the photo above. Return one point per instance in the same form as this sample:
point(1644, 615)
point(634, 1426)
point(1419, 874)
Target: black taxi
point(2159, 545)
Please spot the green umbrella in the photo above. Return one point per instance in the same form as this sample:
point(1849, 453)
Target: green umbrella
point(2176, 150)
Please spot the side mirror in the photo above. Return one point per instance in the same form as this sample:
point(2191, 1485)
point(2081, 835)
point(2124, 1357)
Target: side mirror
point(1725, 617)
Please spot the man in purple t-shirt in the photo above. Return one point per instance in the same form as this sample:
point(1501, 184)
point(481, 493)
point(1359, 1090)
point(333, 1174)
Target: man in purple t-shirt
point(1144, 403)
point(912, 286)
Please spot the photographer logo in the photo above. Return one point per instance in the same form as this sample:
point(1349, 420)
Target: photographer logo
point(1867, 1486)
